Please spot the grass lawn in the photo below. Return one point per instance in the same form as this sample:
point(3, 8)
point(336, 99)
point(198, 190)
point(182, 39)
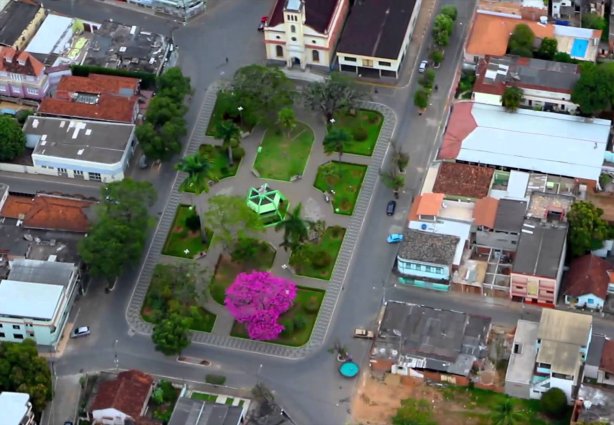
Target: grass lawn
point(227, 270)
point(330, 243)
point(155, 306)
point(181, 238)
point(479, 404)
point(298, 337)
point(218, 156)
point(345, 179)
point(203, 396)
point(370, 121)
point(280, 157)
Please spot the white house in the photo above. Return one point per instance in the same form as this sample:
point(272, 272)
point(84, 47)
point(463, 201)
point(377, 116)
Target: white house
point(16, 409)
point(375, 39)
point(588, 282)
point(80, 149)
point(35, 300)
point(304, 32)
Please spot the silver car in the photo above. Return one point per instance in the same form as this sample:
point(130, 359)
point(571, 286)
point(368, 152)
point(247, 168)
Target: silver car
point(80, 331)
point(423, 65)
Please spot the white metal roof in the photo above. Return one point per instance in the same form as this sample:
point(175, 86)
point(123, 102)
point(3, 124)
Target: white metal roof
point(53, 35)
point(13, 407)
point(29, 300)
point(532, 140)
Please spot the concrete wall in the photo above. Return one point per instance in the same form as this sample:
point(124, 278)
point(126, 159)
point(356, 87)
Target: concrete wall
point(424, 270)
point(515, 389)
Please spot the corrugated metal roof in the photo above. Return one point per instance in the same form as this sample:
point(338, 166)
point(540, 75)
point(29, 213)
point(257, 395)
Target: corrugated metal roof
point(30, 300)
point(51, 34)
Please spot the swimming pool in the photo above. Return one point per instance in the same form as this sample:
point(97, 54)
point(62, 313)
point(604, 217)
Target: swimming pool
point(579, 47)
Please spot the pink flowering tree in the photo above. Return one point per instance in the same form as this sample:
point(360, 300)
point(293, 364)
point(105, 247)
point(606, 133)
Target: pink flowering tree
point(257, 299)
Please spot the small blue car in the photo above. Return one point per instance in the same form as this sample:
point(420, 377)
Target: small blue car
point(394, 238)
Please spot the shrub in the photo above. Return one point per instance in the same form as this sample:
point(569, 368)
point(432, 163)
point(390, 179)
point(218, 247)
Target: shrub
point(360, 134)
point(22, 115)
point(207, 150)
point(437, 56)
point(157, 397)
point(299, 322)
point(192, 222)
point(168, 391)
point(215, 379)
point(336, 231)
point(245, 249)
point(554, 402)
point(288, 325)
point(320, 259)
point(238, 153)
point(224, 170)
point(311, 306)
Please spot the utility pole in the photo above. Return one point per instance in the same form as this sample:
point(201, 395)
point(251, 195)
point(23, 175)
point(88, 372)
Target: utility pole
point(115, 358)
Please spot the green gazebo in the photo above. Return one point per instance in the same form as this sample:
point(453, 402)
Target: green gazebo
point(271, 205)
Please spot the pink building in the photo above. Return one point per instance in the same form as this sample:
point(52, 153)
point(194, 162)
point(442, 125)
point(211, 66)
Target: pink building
point(22, 75)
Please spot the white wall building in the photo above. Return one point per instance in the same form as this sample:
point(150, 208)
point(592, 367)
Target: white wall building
point(16, 409)
point(35, 300)
point(89, 150)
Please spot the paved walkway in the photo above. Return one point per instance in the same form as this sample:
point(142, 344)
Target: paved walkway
point(314, 207)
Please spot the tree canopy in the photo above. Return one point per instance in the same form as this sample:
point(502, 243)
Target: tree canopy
point(554, 402)
point(414, 412)
point(232, 219)
point(587, 228)
point(421, 98)
point(548, 48)
point(286, 119)
point(118, 236)
point(173, 84)
point(196, 166)
point(171, 335)
point(23, 370)
point(505, 413)
point(593, 21)
point(12, 139)
point(450, 11)
point(442, 29)
point(257, 299)
point(512, 98)
point(336, 93)
point(295, 228)
point(521, 41)
point(594, 91)
point(336, 140)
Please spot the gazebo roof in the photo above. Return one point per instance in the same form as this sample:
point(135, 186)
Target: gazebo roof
point(264, 200)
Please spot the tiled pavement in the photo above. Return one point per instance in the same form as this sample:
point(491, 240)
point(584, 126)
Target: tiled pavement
point(238, 184)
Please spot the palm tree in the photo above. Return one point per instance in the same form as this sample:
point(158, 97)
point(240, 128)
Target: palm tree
point(295, 229)
point(505, 413)
point(336, 140)
point(287, 120)
point(228, 132)
point(195, 165)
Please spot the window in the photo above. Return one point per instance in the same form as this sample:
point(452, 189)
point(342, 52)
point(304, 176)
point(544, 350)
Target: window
point(292, 29)
point(517, 348)
point(314, 42)
point(62, 172)
point(382, 63)
point(315, 56)
point(15, 326)
point(279, 51)
point(18, 336)
point(30, 334)
point(591, 301)
point(293, 38)
point(94, 177)
point(367, 62)
point(78, 173)
point(2, 335)
point(33, 92)
point(278, 37)
point(349, 59)
point(0, 325)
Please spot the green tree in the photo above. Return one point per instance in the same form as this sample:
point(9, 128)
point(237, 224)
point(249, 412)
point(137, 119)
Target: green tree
point(162, 109)
point(594, 91)
point(171, 335)
point(414, 412)
point(512, 98)
point(197, 166)
point(173, 84)
point(287, 120)
point(421, 99)
point(23, 370)
point(450, 11)
point(393, 180)
point(437, 56)
point(593, 21)
point(442, 29)
point(336, 140)
point(587, 228)
point(12, 139)
point(521, 41)
point(548, 48)
point(263, 90)
point(505, 413)
point(554, 402)
point(117, 238)
point(336, 93)
point(229, 133)
point(295, 229)
point(562, 57)
point(232, 219)
point(245, 249)
point(428, 79)
point(400, 158)
point(161, 144)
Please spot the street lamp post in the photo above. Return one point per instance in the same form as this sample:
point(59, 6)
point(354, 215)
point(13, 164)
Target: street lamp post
point(115, 358)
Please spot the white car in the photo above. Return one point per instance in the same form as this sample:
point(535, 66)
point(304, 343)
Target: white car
point(363, 333)
point(423, 65)
point(80, 331)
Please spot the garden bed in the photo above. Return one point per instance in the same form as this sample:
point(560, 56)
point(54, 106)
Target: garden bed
point(345, 179)
point(226, 108)
point(180, 237)
point(160, 297)
point(305, 259)
point(227, 270)
point(306, 306)
point(364, 125)
point(220, 169)
point(281, 157)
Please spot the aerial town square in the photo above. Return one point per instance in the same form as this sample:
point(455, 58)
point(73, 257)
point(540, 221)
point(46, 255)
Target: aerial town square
point(306, 212)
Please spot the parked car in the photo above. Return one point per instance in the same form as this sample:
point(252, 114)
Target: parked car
point(391, 207)
point(263, 22)
point(80, 331)
point(394, 238)
point(363, 333)
point(423, 65)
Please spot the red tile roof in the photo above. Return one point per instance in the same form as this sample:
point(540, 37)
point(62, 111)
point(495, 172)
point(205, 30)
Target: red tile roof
point(588, 275)
point(128, 393)
point(108, 108)
point(463, 180)
point(31, 66)
point(98, 83)
point(485, 212)
point(607, 357)
point(426, 204)
point(48, 212)
point(460, 125)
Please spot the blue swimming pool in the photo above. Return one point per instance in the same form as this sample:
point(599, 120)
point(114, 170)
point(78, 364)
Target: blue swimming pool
point(579, 47)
